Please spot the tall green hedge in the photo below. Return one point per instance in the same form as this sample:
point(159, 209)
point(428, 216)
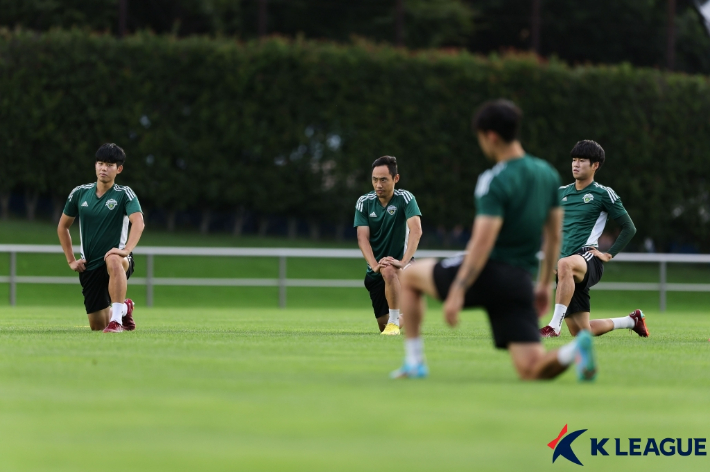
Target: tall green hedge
point(291, 128)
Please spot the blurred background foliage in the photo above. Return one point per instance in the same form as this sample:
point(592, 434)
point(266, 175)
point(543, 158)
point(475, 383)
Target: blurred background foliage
point(287, 129)
point(596, 31)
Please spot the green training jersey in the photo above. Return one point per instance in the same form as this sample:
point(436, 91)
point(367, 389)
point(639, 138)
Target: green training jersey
point(388, 224)
point(103, 222)
point(522, 192)
point(586, 212)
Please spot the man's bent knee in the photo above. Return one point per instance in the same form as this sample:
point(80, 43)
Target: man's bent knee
point(116, 263)
point(571, 266)
point(420, 277)
point(99, 320)
point(389, 273)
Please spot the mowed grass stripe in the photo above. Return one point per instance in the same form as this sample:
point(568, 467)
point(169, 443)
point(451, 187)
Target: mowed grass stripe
point(307, 389)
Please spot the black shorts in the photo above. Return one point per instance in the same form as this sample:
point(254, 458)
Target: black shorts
point(94, 284)
point(504, 291)
point(376, 287)
point(595, 269)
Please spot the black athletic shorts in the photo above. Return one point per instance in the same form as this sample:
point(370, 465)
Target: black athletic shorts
point(94, 284)
point(504, 291)
point(376, 287)
point(595, 269)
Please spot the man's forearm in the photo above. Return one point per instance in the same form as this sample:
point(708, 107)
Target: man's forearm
point(628, 230)
point(133, 237)
point(551, 252)
point(65, 242)
point(470, 268)
point(366, 250)
point(412, 245)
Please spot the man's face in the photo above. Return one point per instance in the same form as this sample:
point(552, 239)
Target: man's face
point(486, 140)
point(382, 181)
point(107, 171)
point(583, 169)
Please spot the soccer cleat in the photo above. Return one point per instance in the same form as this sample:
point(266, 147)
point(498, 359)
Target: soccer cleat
point(407, 371)
point(548, 332)
point(127, 320)
point(640, 323)
point(584, 357)
point(113, 327)
point(390, 330)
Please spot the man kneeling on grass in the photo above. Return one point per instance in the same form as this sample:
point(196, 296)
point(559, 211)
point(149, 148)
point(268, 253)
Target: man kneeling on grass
point(517, 209)
point(389, 227)
point(110, 224)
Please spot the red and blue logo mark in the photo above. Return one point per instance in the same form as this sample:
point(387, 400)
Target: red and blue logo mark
point(563, 445)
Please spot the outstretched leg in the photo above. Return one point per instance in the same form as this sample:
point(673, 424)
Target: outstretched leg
point(636, 320)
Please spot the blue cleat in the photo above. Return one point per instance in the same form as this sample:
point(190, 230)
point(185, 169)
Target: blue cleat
point(407, 371)
point(584, 357)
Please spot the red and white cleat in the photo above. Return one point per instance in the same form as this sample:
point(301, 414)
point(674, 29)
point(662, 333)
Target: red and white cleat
point(640, 326)
point(127, 320)
point(113, 327)
point(548, 332)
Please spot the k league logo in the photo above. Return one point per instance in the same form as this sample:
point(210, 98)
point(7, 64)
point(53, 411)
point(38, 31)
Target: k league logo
point(562, 445)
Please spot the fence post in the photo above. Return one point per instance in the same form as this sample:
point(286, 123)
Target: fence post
point(13, 278)
point(662, 294)
point(282, 281)
point(149, 281)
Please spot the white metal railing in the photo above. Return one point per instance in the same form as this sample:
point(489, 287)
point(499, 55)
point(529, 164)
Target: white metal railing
point(150, 281)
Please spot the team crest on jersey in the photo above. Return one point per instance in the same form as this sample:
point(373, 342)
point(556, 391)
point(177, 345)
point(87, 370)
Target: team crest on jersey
point(588, 198)
point(391, 209)
point(111, 204)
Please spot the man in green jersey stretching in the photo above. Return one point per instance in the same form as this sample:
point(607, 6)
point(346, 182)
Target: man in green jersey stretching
point(110, 225)
point(389, 227)
point(517, 211)
point(587, 206)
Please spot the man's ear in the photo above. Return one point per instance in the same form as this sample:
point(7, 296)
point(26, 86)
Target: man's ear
point(119, 169)
point(396, 178)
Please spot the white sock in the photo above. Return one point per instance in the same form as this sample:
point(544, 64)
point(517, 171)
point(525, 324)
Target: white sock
point(565, 354)
point(394, 317)
point(559, 315)
point(625, 322)
point(117, 310)
point(414, 351)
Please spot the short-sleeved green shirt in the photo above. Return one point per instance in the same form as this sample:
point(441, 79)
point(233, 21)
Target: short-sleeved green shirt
point(586, 212)
point(521, 191)
point(388, 224)
point(103, 222)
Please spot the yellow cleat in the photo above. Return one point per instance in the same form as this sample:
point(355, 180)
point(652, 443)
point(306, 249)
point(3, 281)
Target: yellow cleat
point(391, 330)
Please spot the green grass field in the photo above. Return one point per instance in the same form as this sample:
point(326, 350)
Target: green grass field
point(218, 379)
point(297, 389)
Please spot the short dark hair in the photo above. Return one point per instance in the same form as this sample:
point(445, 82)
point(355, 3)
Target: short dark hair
point(500, 116)
point(111, 153)
point(589, 149)
point(389, 161)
